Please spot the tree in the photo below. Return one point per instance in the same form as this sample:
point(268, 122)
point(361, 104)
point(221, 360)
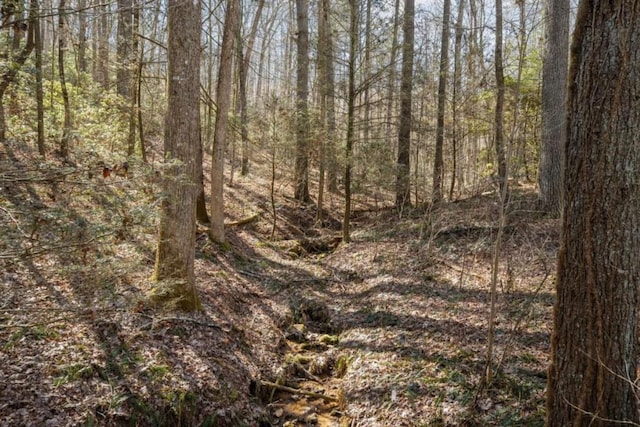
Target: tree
point(351, 100)
point(220, 133)
point(66, 131)
point(302, 93)
point(554, 84)
point(174, 267)
point(327, 104)
point(457, 89)
point(498, 123)
point(442, 97)
point(124, 48)
point(594, 345)
point(404, 131)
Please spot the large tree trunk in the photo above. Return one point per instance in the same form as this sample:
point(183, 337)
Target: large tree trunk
point(592, 378)
point(174, 268)
point(438, 162)
point(554, 90)
point(223, 94)
point(301, 175)
point(403, 196)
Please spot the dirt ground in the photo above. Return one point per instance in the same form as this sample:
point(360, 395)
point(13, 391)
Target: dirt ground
point(298, 328)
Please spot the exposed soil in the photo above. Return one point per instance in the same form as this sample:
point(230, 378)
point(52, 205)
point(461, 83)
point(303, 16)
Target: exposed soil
point(297, 329)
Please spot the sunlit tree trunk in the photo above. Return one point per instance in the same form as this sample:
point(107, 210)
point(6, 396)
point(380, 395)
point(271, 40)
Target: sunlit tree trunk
point(174, 268)
point(301, 176)
point(593, 375)
point(223, 94)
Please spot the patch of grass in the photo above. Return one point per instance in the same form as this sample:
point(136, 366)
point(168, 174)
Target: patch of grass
point(342, 364)
point(72, 372)
point(37, 332)
point(158, 372)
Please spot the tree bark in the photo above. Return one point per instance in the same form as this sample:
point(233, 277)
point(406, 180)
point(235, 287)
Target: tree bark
point(554, 91)
point(351, 99)
point(39, 84)
point(301, 175)
point(223, 94)
point(438, 162)
point(174, 268)
point(82, 36)
point(456, 174)
point(67, 126)
point(592, 377)
point(403, 195)
point(498, 124)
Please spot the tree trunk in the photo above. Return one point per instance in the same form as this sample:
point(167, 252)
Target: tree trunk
point(438, 162)
point(123, 48)
point(403, 196)
point(391, 83)
point(82, 36)
point(501, 157)
point(223, 94)
point(133, 83)
point(102, 68)
point(302, 92)
point(457, 89)
point(39, 87)
point(328, 85)
point(66, 131)
point(244, 114)
point(592, 378)
point(174, 268)
point(351, 100)
point(554, 90)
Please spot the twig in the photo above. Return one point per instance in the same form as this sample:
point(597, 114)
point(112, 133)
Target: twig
point(298, 391)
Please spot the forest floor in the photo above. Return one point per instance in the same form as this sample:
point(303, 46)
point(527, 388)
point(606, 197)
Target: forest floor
point(297, 327)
